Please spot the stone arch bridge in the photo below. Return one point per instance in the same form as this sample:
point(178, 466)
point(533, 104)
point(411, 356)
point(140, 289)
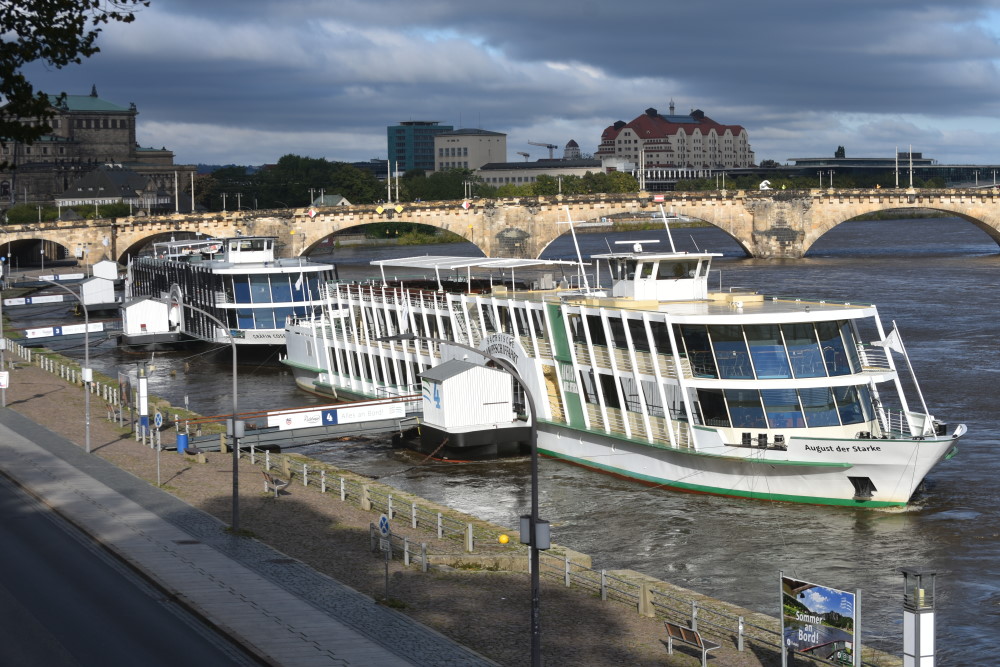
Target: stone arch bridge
point(769, 224)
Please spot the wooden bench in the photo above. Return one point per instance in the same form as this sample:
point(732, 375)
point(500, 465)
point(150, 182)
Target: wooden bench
point(689, 637)
point(272, 483)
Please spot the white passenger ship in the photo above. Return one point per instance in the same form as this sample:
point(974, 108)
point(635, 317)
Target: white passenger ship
point(237, 280)
point(657, 377)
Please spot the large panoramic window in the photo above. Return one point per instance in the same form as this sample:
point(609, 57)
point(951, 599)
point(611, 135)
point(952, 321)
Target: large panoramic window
point(699, 350)
point(803, 350)
point(768, 351)
point(819, 407)
point(782, 407)
point(745, 410)
point(731, 356)
point(834, 353)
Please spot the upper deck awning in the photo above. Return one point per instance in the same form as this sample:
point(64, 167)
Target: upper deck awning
point(445, 263)
point(438, 263)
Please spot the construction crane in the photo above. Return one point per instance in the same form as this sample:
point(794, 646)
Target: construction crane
point(551, 147)
point(526, 155)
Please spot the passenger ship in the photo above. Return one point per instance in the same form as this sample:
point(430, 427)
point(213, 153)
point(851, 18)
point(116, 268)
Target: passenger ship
point(238, 281)
point(657, 377)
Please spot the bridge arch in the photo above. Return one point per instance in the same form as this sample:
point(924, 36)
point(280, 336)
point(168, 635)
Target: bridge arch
point(768, 224)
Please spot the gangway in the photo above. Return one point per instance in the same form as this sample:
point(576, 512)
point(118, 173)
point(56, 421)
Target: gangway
point(300, 426)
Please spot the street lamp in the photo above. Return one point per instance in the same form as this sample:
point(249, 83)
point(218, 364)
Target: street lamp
point(85, 372)
point(538, 530)
point(234, 426)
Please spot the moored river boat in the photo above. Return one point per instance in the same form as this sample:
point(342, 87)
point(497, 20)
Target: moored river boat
point(655, 377)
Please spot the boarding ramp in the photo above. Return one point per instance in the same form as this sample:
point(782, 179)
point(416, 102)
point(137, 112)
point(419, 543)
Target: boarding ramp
point(278, 429)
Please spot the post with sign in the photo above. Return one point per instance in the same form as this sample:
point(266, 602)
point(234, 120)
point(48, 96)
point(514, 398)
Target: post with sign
point(820, 622)
point(158, 420)
point(385, 546)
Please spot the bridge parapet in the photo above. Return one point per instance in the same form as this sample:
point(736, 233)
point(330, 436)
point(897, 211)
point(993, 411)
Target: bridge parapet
point(771, 223)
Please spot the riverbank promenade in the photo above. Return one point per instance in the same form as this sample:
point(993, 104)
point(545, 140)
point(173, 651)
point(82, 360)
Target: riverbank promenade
point(300, 585)
point(282, 612)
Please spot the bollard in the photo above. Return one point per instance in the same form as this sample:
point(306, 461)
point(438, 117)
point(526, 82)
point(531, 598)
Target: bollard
point(646, 601)
point(470, 540)
point(388, 507)
point(423, 556)
point(253, 454)
point(740, 631)
point(267, 460)
point(343, 490)
point(440, 526)
point(604, 585)
point(286, 467)
point(322, 481)
point(566, 574)
point(406, 551)
point(305, 475)
point(366, 501)
point(694, 616)
point(413, 515)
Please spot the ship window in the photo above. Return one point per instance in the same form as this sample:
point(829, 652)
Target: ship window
point(244, 318)
point(849, 405)
point(803, 350)
point(241, 289)
point(488, 322)
point(731, 356)
point(264, 318)
point(834, 354)
point(617, 332)
point(782, 407)
point(282, 314)
point(637, 329)
point(699, 350)
point(675, 270)
point(596, 327)
point(851, 347)
point(768, 351)
point(713, 407)
point(646, 269)
point(260, 288)
point(819, 407)
point(610, 390)
point(745, 410)
point(281, 288)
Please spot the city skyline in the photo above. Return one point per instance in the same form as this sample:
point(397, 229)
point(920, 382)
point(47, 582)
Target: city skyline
point(246, 83)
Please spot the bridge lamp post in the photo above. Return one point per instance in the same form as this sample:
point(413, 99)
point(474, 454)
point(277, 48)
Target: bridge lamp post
point(86, 372)
point(234, 427)
point(538, 530)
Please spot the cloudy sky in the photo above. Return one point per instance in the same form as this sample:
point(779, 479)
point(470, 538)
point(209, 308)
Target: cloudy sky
point(247, 81)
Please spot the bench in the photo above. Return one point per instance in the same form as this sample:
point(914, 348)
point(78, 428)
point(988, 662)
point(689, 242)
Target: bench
point(272, 483)
point(690, 637)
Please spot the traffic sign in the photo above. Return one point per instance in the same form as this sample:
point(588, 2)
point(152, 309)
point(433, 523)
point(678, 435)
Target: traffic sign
point(383, 526)
point(158, 419)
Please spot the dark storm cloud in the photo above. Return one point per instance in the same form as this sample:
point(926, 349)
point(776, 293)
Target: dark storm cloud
point(249, 81)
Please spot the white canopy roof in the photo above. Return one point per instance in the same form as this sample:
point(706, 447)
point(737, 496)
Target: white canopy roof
point(438, 262)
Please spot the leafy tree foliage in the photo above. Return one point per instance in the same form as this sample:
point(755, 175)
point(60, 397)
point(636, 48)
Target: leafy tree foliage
point(56, 33)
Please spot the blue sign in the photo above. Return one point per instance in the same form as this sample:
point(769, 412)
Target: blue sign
point(329, 417)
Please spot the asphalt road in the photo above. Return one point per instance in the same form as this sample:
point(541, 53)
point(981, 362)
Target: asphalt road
point(64, 601)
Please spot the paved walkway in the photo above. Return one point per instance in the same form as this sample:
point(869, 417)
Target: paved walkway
point(280, 609)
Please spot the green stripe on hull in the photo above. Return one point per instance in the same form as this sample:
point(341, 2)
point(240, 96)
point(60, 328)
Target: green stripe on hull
point(697, 488)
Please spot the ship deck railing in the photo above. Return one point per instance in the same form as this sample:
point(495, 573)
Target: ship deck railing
point(659, 427)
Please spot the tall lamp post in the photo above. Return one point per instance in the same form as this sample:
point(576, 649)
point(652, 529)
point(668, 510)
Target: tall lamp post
point(85, 372)
point(538, 530)
point(234, 427)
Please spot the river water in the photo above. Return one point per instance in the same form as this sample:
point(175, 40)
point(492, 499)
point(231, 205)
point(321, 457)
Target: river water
point(938, 278)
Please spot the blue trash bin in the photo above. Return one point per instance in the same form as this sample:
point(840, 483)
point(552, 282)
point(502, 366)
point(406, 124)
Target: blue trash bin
point(182, 442)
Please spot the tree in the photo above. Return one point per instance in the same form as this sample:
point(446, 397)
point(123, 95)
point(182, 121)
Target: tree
point(57, 33)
